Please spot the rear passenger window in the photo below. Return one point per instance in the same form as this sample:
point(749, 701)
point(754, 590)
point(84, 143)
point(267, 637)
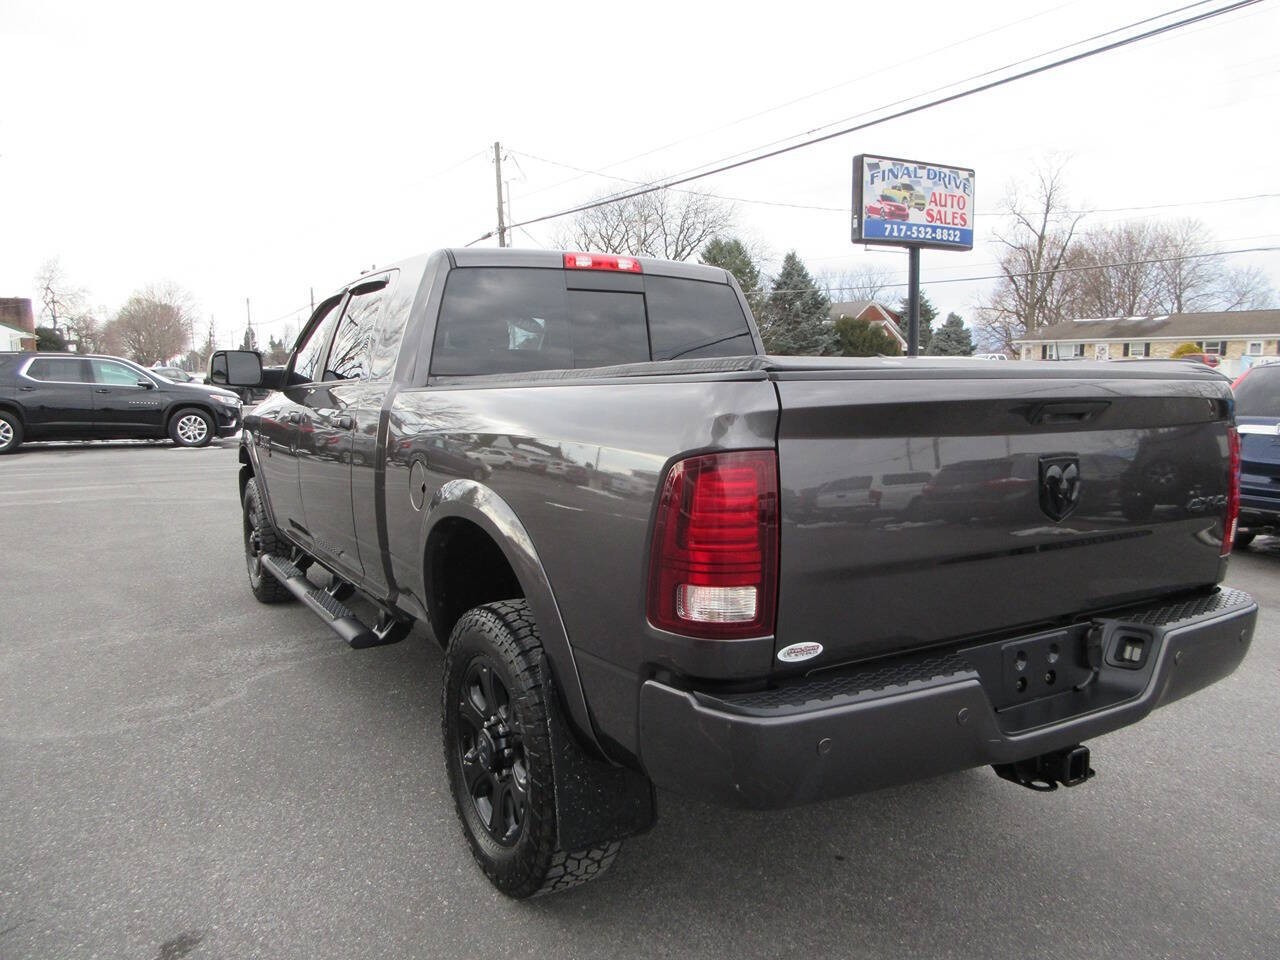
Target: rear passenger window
point(690, 318)
point(57, 370)
point(349, 358)
point(387, 334)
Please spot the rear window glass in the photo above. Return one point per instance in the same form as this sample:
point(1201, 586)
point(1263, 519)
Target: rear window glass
point(1258, 394)
point(516, 319)
point(689, 318)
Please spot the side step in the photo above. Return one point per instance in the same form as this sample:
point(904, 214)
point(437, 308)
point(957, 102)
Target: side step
point(324, 604)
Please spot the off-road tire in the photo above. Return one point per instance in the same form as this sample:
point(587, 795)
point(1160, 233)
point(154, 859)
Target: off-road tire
point(10, 432)
point(504, 634)
point(177, 435)
point(1243, 539)
point(256, 525)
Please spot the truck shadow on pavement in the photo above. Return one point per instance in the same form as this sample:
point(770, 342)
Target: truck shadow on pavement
point(916, 864)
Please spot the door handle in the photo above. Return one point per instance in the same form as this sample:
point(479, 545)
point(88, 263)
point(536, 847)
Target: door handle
point(345, 422)
point(102, 390)
point(26, 389)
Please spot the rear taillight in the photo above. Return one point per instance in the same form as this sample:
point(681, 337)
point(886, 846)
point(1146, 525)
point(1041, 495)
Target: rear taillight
point(601, 261)
point(714, 566)
point(1233, 491)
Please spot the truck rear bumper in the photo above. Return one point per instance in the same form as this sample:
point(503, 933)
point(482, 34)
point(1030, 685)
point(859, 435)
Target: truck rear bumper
point(829, 736)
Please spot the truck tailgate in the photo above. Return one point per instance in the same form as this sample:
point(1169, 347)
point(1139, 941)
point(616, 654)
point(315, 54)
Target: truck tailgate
point(920, 507)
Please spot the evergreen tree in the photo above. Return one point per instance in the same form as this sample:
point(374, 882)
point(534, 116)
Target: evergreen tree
point(277, 354)
point(795, 315)
point(731, 254)
point(49, 339)
point(928, 313)
point(953, 339)
point(860, 338)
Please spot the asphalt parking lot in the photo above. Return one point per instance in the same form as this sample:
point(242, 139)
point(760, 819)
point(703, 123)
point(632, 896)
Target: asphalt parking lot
point(184, 772)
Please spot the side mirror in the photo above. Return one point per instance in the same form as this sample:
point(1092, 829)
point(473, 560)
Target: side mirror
point(146, 384)
point(236, 368)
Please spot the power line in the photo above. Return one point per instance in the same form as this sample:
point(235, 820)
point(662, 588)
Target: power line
point(802, 98)
point(1042, 68)
point(954, 83)
point(846, 210)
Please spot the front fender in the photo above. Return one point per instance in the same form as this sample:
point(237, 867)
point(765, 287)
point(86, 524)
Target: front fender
point(471, 500)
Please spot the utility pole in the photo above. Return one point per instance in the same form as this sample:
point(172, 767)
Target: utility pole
point(511, 217)
point(497, 175)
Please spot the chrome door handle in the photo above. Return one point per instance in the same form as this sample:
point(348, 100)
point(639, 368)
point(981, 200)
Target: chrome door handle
point(102, 390)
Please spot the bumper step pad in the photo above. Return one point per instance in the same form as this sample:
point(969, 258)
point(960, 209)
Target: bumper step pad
point(924, 671)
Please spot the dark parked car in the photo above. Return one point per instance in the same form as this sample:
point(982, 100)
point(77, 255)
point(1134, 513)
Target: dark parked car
point(717, 612)
point(1208, 359)
point(1257, 393)
point(176, 374)
point(64, 396)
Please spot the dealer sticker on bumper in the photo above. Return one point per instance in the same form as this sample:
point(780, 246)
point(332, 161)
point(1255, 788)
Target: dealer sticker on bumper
point(796, 652)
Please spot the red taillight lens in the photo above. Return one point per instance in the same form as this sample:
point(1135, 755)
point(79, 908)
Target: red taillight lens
point(601, 261)
point(714, 566)
point(1233, 491)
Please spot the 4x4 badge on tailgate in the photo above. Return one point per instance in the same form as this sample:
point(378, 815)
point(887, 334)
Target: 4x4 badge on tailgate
point(1059, 485)
point(799, 651)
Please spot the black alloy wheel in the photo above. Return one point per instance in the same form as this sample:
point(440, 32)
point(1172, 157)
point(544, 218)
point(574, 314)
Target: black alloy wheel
point(490, 752)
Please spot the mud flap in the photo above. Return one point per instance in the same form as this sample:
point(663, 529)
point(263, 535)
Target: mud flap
point(596, 801)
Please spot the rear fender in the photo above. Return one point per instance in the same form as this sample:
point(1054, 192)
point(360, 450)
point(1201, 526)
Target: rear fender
point(476, 502)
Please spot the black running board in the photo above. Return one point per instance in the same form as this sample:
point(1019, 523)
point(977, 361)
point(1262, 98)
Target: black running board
point(334, 612)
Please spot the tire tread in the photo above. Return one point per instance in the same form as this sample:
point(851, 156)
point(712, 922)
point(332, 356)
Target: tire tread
point(545, 868)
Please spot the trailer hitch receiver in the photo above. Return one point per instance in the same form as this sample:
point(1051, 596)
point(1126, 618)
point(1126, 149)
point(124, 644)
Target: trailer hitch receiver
point(1068, 767)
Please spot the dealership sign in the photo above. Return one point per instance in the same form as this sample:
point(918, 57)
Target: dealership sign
point(912, 204)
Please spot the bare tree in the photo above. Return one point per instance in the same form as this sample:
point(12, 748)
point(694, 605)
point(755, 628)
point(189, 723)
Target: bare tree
point(154, 325)
point(1115, 271)
point(1035, 244)
point(1139, 268)
point(1244, 288)
point(872, 281)
point(671, 224)
point(65, 306)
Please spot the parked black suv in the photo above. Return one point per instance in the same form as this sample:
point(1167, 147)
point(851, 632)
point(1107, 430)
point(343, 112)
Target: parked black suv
point(65, 396)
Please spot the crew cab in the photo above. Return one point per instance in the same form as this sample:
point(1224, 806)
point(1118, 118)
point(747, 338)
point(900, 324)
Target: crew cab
point(654, 555)
point(67, 396)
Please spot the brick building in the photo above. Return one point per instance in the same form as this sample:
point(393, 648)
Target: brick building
point(17, 324)
point(874, 314)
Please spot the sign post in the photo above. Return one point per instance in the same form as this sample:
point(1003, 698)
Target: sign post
point(908, 203)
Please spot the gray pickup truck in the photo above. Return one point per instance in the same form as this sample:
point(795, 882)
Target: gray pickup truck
point(654, 555)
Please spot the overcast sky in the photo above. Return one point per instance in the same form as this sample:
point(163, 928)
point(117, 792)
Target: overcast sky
point(258, 150)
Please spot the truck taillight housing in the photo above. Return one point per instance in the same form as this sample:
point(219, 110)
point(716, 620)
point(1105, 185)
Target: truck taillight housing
point(714, 565)
point(1233, 491)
